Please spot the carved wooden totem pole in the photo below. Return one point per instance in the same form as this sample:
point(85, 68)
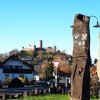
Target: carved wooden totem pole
point(80, 78)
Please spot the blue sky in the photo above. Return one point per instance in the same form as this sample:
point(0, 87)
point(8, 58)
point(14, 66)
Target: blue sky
point(24, 22)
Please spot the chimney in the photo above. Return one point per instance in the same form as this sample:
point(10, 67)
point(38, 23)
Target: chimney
point(40, 43)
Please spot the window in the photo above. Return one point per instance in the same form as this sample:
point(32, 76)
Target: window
point(18, 67)
point(14, 59)
point(7, 75)
point(12, 76)
point(9, 66)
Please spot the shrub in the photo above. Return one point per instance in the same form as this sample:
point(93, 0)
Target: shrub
point(26, 82)
point(15, 83)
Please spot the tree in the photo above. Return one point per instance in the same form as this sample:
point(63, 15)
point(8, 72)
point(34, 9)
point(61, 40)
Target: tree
point(30, 53)
point(3, 57)
point(94, 86)
point(63, 69)
point(46, 71)
point(23, 53)
point(95, 61)
point(15, 83)
point(44, 55)
point(42, 72)
point(14, 51)
point(49, 71)
point(26, 82)
point(35, 54)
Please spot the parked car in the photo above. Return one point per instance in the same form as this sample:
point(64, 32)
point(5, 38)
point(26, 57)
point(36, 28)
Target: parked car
point(0, 84)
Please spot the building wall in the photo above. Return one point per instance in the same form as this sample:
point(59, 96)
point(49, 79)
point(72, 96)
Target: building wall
point(29, 48)
point(50, 49)
point(10, 76)
point(36, 77)
point(1, 74)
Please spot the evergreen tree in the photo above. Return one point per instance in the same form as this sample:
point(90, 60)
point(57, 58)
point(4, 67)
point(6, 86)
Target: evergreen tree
point(26, 82)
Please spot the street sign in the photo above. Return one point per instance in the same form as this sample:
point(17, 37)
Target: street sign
point(56, 63)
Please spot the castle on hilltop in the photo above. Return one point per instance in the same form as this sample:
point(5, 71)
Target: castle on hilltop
point(40, 48)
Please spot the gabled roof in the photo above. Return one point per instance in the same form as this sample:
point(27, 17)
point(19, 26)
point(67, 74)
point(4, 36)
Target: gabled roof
point(17, 58)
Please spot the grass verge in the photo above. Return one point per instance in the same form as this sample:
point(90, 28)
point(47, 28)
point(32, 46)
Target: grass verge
point(48, 97)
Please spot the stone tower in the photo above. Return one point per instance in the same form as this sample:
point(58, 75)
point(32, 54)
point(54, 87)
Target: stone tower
point(40, 44)
point(80, 77)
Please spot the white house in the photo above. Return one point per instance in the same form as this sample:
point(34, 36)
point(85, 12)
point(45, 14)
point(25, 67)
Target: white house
point(14, 67)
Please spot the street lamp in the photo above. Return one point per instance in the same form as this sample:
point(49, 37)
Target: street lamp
point(97, 24)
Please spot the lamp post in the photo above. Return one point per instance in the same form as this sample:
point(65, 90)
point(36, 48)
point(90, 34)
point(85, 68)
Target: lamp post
point(80, 76)
point(97, 24)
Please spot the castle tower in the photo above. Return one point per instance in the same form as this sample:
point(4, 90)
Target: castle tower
point(34, 47)
point(98, 63)
point(40, 44)
point(54, 48)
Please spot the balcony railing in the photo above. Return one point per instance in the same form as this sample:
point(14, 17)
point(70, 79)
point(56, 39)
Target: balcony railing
point(26, 71)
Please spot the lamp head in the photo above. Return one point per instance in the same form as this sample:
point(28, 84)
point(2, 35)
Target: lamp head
point(97, 25)
point(72, 26)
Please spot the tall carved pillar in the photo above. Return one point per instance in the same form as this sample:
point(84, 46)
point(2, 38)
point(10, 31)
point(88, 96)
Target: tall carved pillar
point(80, 78)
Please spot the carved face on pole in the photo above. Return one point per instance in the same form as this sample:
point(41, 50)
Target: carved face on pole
point(81, 37)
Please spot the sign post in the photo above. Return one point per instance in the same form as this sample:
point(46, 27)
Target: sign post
point(56, 63)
